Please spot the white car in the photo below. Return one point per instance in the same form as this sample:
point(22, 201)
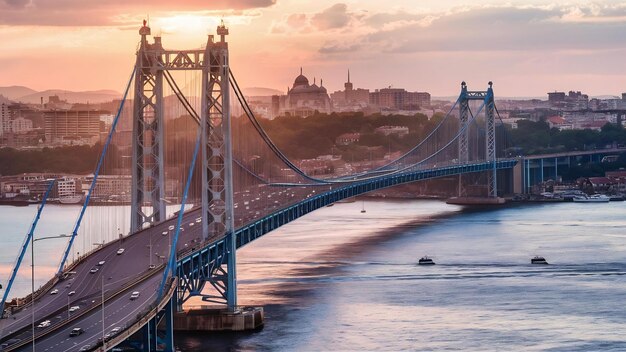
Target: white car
point(71, 293)
point(94, 270)
point(165, 233)
point(134, 295)
point(54, 292)
point(120, 251)
point(171, 227)
point(101, 263)
point(44, 324)
point(199, 220)
point(74, 308)
point(115, 330)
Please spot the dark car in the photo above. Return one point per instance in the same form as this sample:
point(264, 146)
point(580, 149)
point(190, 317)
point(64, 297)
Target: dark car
point(76, 332)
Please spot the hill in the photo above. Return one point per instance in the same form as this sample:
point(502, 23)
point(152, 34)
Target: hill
point(260, 91)
point(15, 92)
point(96, 96)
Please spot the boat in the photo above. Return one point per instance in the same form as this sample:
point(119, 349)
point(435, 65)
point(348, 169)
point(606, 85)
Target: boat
point(596, 198)
point(73, 199)
point(425, 261)
point(538, 260)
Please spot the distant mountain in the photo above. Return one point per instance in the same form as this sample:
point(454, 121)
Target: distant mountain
point(260, 92)
point(27, 95)
point(95, 96)
point(15, 92)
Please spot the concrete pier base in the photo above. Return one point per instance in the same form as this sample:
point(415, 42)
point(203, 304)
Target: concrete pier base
point(216, 319)
point(476, 201)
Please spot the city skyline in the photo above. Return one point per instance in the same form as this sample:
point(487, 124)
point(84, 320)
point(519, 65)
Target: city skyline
point(527, 48)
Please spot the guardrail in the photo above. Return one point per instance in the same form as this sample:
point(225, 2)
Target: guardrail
point(139, 323)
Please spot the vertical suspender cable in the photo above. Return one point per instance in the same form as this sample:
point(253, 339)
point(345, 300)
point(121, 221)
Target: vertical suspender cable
point(95, 175)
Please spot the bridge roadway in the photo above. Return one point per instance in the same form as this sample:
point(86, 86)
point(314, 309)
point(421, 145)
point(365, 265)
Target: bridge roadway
point(122, 274)
point(575, 153)
point(120, 271)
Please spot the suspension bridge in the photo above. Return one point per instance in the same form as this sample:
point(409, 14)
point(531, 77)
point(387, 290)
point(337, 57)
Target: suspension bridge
point(206, 179)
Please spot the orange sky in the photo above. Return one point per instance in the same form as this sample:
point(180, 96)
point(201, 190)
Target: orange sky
point(526, 47)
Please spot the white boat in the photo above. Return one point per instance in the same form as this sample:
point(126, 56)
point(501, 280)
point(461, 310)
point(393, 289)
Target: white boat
point(74, 199)
point(596, 198)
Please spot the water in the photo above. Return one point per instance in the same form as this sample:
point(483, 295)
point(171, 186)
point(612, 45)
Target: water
point(338, 279)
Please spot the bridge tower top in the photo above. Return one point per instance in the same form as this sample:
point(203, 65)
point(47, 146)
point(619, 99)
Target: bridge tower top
point(222, 31)
point(144, 31)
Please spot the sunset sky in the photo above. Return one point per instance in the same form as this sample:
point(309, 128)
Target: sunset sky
point(526, 47)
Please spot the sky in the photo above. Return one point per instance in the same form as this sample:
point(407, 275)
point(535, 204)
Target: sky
point(527, 48)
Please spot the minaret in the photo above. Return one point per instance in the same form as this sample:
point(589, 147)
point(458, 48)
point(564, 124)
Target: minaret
point(348, 88)
point(348, 85)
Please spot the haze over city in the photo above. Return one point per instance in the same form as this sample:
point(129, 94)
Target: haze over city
point(527, 47)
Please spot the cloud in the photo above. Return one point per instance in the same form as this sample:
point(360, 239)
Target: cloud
point(334, 17)
point(504, 28)
point(338, 48)
point(107, 12)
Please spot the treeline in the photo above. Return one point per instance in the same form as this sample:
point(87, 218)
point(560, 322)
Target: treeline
point(539, 138)
point(305, 138)
point(69, 160)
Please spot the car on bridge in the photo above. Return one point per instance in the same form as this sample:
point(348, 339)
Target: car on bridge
point(76, 332)
point(101, 263)
point(44, 324)
point(120, 251)
point(94, 270)
point(74, 308)
point(71, 293)
point(134, 295)
point(85, 348)
point(54, 292)
point(9, 343)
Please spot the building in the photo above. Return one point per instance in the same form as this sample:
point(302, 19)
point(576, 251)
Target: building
point(21, 125)
point(72, 126)
point(115, 187)
point(5, 119)
point(398, 130)
point(399, 99)
point(347, 138)
point(555, 97)
point(350, 97)
point(304, 99)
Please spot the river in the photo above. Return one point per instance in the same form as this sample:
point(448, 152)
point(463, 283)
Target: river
point(339, 279)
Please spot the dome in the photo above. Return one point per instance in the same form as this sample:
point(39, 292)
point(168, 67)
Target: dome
point(300, 81)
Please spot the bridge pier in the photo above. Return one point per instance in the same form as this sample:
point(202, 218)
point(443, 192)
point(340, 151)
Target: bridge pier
point(205, 319)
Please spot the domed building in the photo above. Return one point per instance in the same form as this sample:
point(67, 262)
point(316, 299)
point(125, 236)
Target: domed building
point(303, 99)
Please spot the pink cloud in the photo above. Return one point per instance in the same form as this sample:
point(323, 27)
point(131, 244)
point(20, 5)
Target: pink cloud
point(106, 12)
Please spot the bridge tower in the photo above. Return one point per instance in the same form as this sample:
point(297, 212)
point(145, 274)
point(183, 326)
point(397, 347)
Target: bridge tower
point(154, 65)
point(217, 161)
point(487, 98)
point(148, 177)
point(490, 142)
point(464, 136)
